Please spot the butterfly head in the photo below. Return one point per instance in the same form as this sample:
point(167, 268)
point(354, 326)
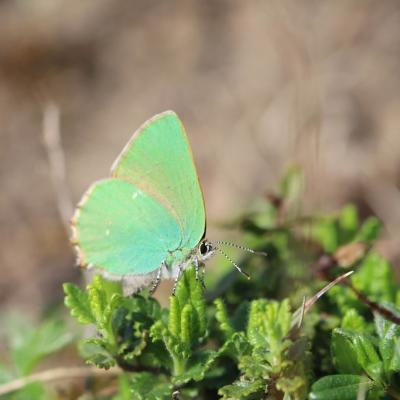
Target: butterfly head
point(205, 250)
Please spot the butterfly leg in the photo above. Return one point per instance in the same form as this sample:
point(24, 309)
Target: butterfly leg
point(196, 268)
point(178, 276)
point(157, 280)
point(203, 274)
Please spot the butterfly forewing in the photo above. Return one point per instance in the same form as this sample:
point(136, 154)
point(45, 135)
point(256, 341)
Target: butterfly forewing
point(158, 160)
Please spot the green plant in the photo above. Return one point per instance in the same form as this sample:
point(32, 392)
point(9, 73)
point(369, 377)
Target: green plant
point(29, 345)
point(270, 337)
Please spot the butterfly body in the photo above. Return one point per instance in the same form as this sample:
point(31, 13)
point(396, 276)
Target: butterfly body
point(149, 216)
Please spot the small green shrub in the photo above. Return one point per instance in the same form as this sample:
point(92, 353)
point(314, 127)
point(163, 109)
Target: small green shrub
point(248, 339)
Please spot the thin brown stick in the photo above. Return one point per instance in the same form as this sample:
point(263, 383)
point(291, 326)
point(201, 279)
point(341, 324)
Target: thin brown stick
point(56, 159)
point(56, 374)
point(375, 307)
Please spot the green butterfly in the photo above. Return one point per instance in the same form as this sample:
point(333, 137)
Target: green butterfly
point(149, 216)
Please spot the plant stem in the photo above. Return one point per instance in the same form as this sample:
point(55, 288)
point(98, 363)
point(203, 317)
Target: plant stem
point(179, 366)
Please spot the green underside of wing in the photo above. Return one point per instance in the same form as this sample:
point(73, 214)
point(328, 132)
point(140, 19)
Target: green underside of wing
point(123, 230)
point(158, 160)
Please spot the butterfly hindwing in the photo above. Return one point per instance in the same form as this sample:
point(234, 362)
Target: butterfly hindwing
point(158, 160)
point(122, 229)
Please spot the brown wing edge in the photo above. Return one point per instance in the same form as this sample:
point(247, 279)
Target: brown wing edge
point(74, 239)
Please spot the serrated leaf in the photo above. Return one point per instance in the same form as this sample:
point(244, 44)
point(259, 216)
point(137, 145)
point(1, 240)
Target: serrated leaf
point(221, 315)
point(98, 304)
point(269, 324)
point(101, 360)
point(353, 321)
point(198, 367)
point(242, 389)
point(339, 387)
point(78, 303)
point(187, 325)
point(237, 346)
point(375, 279)
point(94, 352)
point(100, 294)
point(143, 386)
point(189, 291)
point(290, 385)
point(174, 319)
point(241, 316)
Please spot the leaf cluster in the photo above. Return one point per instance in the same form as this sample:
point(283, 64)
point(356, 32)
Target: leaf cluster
point(243, 340)
point(270, 337)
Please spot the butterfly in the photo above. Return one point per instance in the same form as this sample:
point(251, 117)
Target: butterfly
point(149, 217)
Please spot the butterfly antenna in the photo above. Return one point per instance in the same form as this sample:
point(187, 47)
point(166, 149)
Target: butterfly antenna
point(238, 246)
point(233, 263)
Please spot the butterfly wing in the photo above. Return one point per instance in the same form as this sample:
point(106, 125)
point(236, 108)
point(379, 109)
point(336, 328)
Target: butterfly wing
point(122, 229)
point(158, 160)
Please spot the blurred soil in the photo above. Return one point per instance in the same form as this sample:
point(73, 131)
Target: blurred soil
point(259, 85)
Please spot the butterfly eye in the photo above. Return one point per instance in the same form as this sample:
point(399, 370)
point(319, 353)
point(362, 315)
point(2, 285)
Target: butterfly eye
point(205, 248)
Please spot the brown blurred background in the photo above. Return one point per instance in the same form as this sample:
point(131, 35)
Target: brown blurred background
point(258, 84)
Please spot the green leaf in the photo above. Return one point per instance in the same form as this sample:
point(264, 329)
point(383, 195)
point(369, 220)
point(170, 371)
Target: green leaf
point(174, 319)
point(395, 360)
point(236, 347)
point(348, 218)
point(352, 351)
point(33, 391)
point(344, 354)
point(290, 385)
point(353, 321)
point(368, 357)
point(178, 352)
point(369, 231)
point(187, 324)
point(339, 387)
point(389, 334)
point(143, 386)
point(78, 303)
point(221, 315)
point(241, 316)
point(97, 300)
point(189, 290)
point(375, 279)
point(95, 353)
point(198, 367)
point(269, 324)
point(243, 389)
point(37, 343)
point(100, 294)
